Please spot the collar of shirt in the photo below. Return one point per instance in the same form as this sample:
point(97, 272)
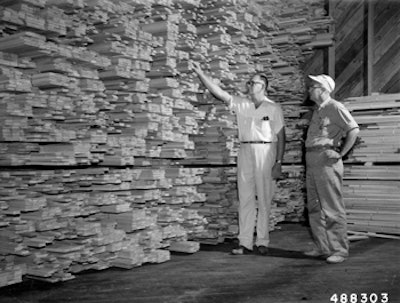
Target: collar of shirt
point(265, 101)
point(324, 103)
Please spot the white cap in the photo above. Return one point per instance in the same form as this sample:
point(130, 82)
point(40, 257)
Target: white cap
point(326, 81)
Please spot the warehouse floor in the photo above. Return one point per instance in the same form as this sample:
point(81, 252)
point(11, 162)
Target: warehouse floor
point(213, 275)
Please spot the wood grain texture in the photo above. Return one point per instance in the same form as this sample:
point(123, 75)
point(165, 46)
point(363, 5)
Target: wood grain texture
point(351, 46)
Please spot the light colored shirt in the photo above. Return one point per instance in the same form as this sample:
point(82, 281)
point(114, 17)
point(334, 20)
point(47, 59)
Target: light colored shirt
point(329, 124)
point(257, 124)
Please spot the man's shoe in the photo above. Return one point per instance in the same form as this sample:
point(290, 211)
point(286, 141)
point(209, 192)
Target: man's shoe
point(314, 253)
point(262, 250)
point(335, 259)
point(241, 250)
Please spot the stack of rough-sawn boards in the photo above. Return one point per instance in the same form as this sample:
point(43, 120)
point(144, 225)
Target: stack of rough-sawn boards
point(372, 171)
point(110, 150)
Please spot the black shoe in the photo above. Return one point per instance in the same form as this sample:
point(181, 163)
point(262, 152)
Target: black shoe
point(262, 250)
point(241, 250)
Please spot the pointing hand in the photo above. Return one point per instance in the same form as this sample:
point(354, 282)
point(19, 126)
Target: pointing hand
point(196, 67)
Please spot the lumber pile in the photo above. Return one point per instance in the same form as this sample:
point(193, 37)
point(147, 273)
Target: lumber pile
point(10, 272)
point(378, 117)
point(95, 218)
point(111, 151)
point(290, 197)
point(372, 172)
point(220, 205)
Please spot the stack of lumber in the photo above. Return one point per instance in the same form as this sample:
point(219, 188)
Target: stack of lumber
point(216, 24)
point(30, 44)
point(289, 199)
point(185, 192)
point(10, 272)
point(91, 218)
point(105, 131)
point(379, 118)
point(167, 55)
point(217, 141)
point(371, 198)
point(35, 119)
point(78, 108)
point(13, 80)
point(372, 172)
point(220, 206)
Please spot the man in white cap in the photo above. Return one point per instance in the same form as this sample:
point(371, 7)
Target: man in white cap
point(262, 143)
point(331, 134)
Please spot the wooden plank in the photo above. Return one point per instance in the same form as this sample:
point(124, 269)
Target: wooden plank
point(184, 246)
point(370, 47)
point(372, 234)
point(332, 49)
point(371, 191)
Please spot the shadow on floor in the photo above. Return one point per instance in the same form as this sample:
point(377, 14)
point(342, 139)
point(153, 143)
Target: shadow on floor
point(227, 247)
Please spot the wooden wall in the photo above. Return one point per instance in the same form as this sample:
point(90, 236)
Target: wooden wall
point(365, 57)
point(386, 59)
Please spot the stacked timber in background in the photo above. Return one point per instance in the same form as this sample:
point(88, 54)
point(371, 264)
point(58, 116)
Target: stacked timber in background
point(81, 101)
point(372, 170)
point(111, 150)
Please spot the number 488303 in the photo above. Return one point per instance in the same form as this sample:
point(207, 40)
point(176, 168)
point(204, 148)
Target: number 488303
point(360, 298)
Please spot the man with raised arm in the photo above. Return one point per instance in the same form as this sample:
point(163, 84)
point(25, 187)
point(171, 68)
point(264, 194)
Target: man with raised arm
point(262, 144)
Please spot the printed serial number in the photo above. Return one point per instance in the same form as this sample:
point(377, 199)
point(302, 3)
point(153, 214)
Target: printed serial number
point(360, 298)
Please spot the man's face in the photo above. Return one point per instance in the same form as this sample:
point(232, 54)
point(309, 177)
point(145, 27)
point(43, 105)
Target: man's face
point(315, 90)
point(255, 85)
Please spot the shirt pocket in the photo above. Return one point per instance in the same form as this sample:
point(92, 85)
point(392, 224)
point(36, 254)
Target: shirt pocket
point(265, 126)
point(324, 125)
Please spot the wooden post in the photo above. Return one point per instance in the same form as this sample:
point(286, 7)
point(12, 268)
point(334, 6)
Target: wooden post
point(329, 53)
point(370, 56)
point(368, 46)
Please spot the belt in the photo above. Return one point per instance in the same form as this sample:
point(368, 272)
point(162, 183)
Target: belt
point(319, 148)
point(255, 142)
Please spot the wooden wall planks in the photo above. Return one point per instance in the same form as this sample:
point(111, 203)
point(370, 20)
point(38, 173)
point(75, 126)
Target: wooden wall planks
point(351, 47)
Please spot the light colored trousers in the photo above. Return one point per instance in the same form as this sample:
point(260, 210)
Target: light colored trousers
point(255, 162)
point(326, 210)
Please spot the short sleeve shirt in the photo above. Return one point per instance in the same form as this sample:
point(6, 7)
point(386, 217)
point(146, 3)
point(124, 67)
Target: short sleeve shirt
point(329, 124)
point(257, 124)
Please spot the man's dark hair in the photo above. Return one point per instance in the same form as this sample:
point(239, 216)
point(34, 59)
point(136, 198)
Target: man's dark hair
point(264, 78)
